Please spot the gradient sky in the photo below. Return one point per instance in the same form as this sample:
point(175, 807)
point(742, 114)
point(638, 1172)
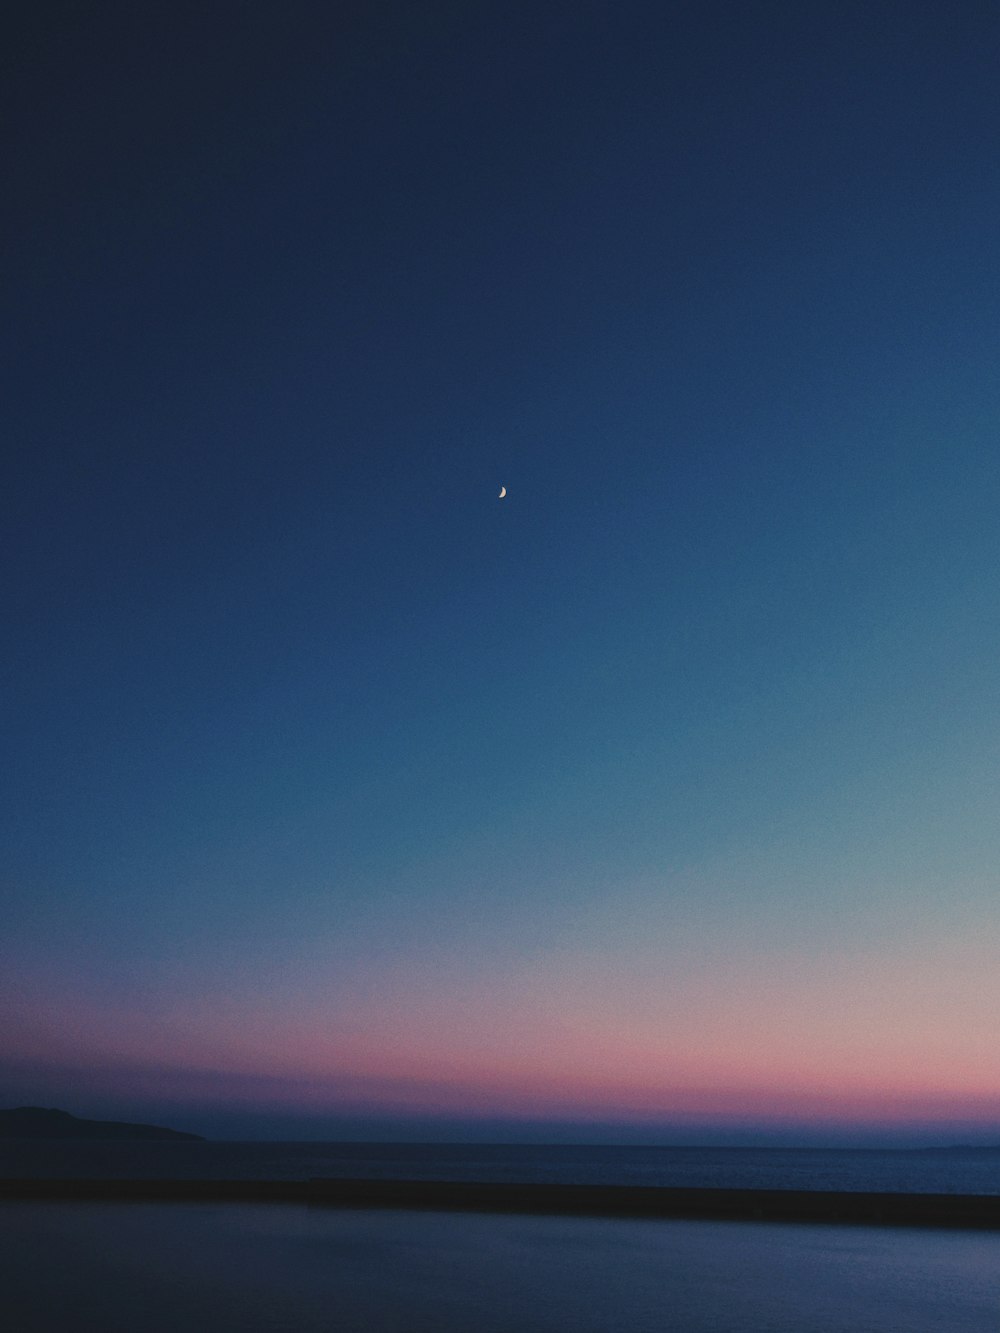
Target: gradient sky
point(657, 799)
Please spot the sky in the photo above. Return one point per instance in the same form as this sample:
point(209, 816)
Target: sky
point(656, 801)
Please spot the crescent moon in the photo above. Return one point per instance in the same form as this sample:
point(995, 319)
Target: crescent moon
point(503, 492)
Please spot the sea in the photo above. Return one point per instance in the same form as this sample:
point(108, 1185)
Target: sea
point(903, 1170)
point(264, 1268)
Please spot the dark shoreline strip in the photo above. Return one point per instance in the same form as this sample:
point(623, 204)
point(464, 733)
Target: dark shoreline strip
point(927, 1210)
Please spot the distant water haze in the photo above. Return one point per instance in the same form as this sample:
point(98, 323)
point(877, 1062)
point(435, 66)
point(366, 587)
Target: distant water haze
point(961, 1171)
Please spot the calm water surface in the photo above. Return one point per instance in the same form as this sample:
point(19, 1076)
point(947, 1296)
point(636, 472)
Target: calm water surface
point(154, 1268)
point(948, 1171)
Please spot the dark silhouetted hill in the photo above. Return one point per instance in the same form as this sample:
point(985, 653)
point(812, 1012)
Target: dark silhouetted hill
point(36, 1122)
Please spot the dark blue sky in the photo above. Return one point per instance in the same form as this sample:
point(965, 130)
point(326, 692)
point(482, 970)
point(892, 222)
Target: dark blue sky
point(324, 764)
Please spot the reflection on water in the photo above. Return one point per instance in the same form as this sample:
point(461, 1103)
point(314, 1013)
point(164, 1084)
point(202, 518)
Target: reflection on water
point(149, 1268)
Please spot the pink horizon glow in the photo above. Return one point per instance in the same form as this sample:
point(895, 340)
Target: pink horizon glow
point(583, 1034)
